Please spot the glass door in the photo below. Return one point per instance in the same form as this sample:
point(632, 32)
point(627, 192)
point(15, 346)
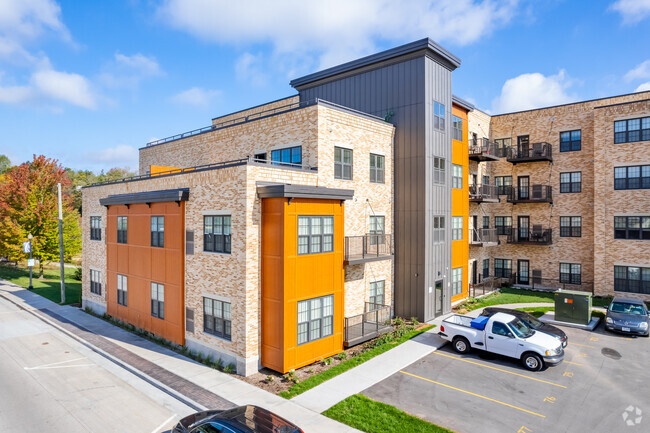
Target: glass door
point(438, 301)
point(523, 187)
point(523, 226)
point(522, 271)
point(523, 146)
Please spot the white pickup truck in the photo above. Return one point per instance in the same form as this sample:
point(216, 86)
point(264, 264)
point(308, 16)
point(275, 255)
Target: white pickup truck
point(503, 334)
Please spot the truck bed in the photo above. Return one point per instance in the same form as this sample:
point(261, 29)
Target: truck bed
point(457, 319)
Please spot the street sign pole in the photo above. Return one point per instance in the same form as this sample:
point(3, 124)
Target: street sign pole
point(61, 248)
point(30, 261)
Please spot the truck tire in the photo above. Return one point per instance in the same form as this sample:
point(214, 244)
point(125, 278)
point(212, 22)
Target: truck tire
point(532, 361)
point(461, 345)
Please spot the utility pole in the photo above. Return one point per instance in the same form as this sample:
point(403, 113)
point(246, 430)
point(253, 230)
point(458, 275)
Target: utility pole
point(31, 264)
point(61, 247)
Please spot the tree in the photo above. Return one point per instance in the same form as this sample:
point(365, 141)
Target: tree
point(4, 164)
point(83, 178)
point(29, 204)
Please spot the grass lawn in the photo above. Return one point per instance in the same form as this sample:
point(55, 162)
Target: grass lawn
point(539, 311)
point(317, 379)
point(49, 287)
point(371, 416)
point(508, 295)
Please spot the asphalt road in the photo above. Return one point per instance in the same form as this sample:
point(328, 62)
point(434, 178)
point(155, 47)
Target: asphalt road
point(51, 383)
point(601, 387)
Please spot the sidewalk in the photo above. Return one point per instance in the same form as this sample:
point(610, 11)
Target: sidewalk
point(195, 384)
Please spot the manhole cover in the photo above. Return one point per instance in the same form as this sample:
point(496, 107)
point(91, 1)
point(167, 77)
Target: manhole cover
point(610, 353)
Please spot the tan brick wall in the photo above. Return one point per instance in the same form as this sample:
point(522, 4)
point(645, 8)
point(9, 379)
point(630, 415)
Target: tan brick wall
point(237, 116)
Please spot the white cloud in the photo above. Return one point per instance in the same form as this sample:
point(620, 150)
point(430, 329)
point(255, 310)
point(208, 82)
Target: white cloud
point(128, 71)
point(641, 72)
point(338, 30)
point(249, 68)
point(29, 19)
point(196, 97)
point(632, 11)
point(644, 87)
point(118, 156)
point(528, 91)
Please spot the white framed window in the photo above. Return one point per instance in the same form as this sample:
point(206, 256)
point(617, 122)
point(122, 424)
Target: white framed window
point(457, 128)
point(158, 300)
point(95, 282)
point(315, 318)
point(122, 290)
point(456, 228)
point(439, 171)
point(438, 116)
point(342, 163)
point(377, 290)
point(457, 176)
point(377, 167)
point(438, 233)
point(456, 281)
point(315, 234)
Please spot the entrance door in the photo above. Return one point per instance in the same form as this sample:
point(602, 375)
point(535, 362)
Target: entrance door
point(522, 271)
point(474, 272)
point(523, 187)
point(474, 228)
point(439, 298)
point(523, 146)
point(523, 227)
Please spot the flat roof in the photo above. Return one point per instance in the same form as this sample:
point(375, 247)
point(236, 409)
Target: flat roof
point(303, 191)
point(463, 103)
point(178, 195)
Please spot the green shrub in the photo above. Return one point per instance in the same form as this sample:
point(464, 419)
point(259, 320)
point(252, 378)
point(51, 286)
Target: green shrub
point(77, 274)
point(341, 356)
point(415, 321)
point(218, 364)
point(269, 379)
point(398, 321)
point(327, 361)
point(230, 368)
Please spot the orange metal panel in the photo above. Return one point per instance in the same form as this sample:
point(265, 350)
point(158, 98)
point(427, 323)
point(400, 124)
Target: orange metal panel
point(460, 202)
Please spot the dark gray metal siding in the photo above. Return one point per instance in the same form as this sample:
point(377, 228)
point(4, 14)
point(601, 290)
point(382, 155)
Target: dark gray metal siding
point(406, 89)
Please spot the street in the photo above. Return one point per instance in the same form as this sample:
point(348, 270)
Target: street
point(50, 382)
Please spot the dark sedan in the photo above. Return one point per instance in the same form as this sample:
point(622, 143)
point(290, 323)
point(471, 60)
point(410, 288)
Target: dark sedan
point(530, 320)
point(629, 316)
point(242, 419)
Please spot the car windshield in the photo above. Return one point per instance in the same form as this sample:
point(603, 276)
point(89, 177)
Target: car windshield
point(520, 328)
point(532, 321)
point(627, 308)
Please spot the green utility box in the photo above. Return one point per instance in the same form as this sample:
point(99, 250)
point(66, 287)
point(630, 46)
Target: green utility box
point(573, 307)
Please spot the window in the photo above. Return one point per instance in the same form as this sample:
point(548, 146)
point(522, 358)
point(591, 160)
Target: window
point(486, 180)
point(632, 227)
point(633, 279)
point(315, 318)
point(438, 116)
point(287, 156)
point(95, 282)
point(95, 228)
point(216, 318)
point(342, 163)
point(158, 300)
point(377, 294)
point(570, 141)
point(439, 170)
point(217, 234)
point(503, 224)
point(486, 222)
point(158, 231)
point(502, 268)
point(260, 157)
point(456, 281)
point(486, 268)
point(499, 328)
point(456, 176)
point(121, 230)
point(457, 128)
point(570, 273)
point(626, 131)
point(633, 177)
point(571, 182)
point(570, 226)
point(503, 183)
point(438, 229)
point(315, 234)
point(121, 290)
point(502, 146)
point(456, 228)
point(376, 168)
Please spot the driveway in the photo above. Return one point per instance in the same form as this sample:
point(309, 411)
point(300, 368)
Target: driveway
point(602, 386)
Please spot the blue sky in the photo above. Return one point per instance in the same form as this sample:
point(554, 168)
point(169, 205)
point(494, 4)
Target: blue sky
point(89, 82)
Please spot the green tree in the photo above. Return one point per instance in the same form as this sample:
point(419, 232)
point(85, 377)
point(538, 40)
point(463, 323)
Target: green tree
point(29, 204)
point(4, 164)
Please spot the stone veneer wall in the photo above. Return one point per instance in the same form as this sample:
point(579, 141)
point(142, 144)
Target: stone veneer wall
point(254, 110)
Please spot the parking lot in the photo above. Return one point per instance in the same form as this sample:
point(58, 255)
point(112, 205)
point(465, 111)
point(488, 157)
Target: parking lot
point(602, 386)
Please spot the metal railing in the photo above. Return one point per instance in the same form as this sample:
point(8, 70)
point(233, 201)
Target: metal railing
point(549, 284)
point(368, 247)
point(531, 152)
point(536, 236)
point(483, 192)
point(481, 236)
point(487, 285)
point(370, 324)
point(531, 194)
point(482, 147)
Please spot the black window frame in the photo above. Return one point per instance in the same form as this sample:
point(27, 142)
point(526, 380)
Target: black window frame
point(502, 146)
point(456, 128)
point(291, 156)
point(217, 319)
point(439, 115)
point(501, 226)
point(625, 133)
point(95, 228)
point(314, 322)
point(159, 310)
point(568, 274)
point(158, 234)
point(571, 141)
point(503, 188)
point(340, 165)
point(486, 268)
point(571, 226)
point(122, 290)
point(95, 282)
point(217, 242)
point(500, 270)
point(632, 227)
point(311, 237)
point(122, 230)
point(632, 285)
point(377, 170)
point(570, 185)
point(634, 182)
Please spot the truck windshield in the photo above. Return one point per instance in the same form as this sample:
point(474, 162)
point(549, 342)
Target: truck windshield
point(520, 329)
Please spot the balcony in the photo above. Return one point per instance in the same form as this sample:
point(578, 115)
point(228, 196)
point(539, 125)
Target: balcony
point(368, 248)
point(530, 153)
point(536, 236)
point(532, 194)
point(482, 150)
point(363, 327)
point(483, 194)
point(484, 237)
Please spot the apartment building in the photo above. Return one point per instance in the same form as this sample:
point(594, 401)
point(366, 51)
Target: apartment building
point(280, 234)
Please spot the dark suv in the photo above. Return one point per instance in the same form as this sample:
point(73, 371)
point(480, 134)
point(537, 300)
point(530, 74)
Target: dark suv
point(242, 419)
point(629, 316)
point(532, 322)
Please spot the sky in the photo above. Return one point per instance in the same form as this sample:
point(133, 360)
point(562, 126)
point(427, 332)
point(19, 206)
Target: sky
point(90, 82)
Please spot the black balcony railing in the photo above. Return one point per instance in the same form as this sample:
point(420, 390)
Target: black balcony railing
point(536, 236)
point(484, 236)
point(530, 153)
point(536, 282)
point(483, 193)
point(368, 248)
point(531, 194)
point(373, 322)
point(482, 150)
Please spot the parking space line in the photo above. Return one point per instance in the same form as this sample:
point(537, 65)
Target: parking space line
point(498, 369)
point(572, 363)
point(475, 395)
point(582, 345)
